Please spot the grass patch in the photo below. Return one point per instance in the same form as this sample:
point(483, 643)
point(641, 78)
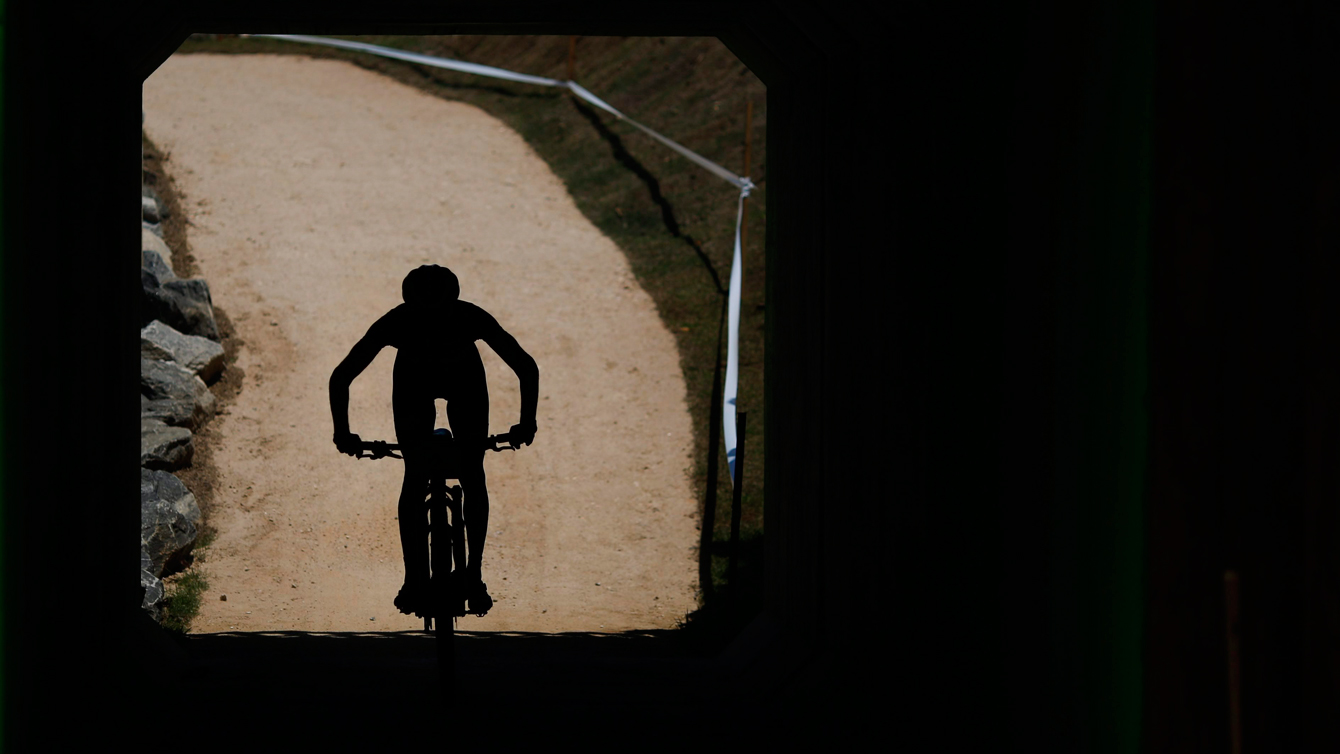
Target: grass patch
point(182, 602)
point(733, 605)
point(673, 220)
point(203, 541)
point(184, 591)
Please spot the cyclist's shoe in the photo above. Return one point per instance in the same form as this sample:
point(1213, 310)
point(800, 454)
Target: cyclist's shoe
point(415, 598)
point(480, 601)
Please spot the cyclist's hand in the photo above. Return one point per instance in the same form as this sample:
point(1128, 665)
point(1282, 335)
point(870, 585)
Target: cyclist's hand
point(348, 443)
point(522, 434)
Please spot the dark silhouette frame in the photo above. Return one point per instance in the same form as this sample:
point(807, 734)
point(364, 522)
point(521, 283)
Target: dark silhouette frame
point(108, 158)
point(999, 501)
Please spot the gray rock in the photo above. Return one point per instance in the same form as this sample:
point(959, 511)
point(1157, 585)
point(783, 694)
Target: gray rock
point(202, 356)
point(187, 506)
point(173, 394)
point(152, 585)
point(151, 241)
point(154, 228)
point(164, 447)
point(195, 289)
point(183, 304)
point(166, 536)
point(168, 379)
point(160, 485)
point(149, 209)
point(174, 412)
point(156, 265)
point(153, 351)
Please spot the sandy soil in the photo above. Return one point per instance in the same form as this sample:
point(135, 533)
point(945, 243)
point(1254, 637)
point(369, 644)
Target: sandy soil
point(312, 187)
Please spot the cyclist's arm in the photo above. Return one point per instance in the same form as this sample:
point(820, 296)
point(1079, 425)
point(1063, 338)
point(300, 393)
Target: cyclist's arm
point(360, 356)
point(527, 371)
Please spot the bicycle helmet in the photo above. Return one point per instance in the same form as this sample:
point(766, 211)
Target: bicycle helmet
point(430, 285)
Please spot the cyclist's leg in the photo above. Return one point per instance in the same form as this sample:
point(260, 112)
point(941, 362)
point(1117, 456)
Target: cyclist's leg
point(413, 425)
point(470, 426)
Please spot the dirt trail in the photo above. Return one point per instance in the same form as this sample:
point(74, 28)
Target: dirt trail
point(312, 187)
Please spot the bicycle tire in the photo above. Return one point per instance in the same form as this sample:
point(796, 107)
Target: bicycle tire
point(439, 556)
point(444, 637)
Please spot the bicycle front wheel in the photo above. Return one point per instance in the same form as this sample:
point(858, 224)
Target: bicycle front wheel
point(439, 557)
point(444, 633)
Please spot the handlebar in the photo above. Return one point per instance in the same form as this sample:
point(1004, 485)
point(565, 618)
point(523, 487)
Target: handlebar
point(375, 449)
point(378, 449)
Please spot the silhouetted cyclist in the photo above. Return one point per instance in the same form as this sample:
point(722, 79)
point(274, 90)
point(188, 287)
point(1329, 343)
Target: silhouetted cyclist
point(434, 334)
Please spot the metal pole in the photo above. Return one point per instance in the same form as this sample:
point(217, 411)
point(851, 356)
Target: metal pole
point(735, 504)
point(713, 454)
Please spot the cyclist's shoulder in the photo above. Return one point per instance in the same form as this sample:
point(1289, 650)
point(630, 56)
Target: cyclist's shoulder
point(388, 328)
point(393, 318)
point(469, 309)
point(474, 314)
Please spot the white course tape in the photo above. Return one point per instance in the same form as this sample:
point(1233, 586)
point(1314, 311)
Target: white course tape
point(502, 73)
point(714, 168)
point(414, 57)
point(733, 343)
point(744, 184)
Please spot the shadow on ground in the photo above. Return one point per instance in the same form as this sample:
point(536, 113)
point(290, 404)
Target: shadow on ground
point(311, 690)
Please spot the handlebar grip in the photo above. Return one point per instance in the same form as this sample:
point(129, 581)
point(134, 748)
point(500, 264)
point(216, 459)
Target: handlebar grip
point(378, 449)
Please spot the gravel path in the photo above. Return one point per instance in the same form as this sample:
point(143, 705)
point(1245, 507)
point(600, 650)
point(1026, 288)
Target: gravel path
point(312, 187)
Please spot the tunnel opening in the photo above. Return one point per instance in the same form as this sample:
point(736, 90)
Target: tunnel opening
point(679, 229)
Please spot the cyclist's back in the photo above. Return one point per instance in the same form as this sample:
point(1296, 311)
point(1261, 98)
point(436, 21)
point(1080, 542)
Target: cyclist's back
point(436, 351)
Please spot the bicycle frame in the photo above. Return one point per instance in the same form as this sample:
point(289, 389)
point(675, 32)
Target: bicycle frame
point(446, 525)
point(443, 452)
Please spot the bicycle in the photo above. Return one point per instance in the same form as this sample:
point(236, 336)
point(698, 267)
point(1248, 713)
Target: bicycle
point(446, 537)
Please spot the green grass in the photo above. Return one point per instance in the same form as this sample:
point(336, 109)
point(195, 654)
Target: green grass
point(715, 623)
point(673, 220)
point(203, 541)
point(182, 602)
point(184, 591)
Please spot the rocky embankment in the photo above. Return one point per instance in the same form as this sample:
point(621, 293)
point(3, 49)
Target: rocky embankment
point(180, 356)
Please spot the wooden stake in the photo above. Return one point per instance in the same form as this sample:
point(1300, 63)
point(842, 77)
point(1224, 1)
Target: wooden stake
point(572, 55)
point(1231, 610)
